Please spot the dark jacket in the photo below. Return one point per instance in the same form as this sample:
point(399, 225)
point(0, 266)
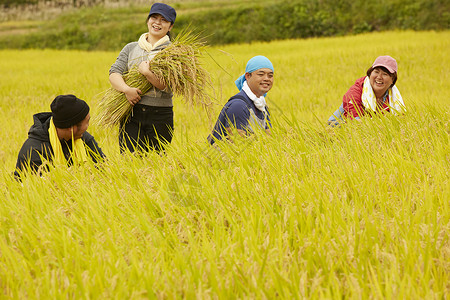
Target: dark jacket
point(239, 112)
point(38, 147)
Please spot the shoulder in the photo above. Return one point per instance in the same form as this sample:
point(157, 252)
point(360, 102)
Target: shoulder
point(353, 96)
point(239, 101)
point(89, 140)
point(240, 97)
point(96, 152)
point(357, 86)
point(236, 103)
point(87, 137)
point(32, 150)
point(31, 143)
point(163, 46)
point(360, 81)
point(236, 107)
point(129, 47)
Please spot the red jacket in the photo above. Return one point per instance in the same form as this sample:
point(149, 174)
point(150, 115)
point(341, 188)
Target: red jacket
point(352, 101)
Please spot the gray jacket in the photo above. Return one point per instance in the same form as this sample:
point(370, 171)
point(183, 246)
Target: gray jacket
point(131, 55)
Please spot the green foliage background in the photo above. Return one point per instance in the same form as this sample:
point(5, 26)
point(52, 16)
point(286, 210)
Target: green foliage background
point(225, 22)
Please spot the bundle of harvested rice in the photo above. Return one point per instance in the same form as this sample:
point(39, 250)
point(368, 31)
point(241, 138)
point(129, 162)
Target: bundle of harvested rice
point(177, 66)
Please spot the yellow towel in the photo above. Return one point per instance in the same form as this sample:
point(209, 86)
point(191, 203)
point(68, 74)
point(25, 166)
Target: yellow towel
point(144, 44)
point(78, 152)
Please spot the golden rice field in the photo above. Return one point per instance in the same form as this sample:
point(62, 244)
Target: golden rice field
point(359, 212)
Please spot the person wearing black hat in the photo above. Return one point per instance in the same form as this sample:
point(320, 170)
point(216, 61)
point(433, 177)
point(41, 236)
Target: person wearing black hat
point(151, 124)
point(59, 137)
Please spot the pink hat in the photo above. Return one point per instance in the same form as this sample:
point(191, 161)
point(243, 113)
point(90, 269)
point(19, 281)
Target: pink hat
point(387, 62)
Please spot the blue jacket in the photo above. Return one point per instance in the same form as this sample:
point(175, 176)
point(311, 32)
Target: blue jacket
point(241, 113)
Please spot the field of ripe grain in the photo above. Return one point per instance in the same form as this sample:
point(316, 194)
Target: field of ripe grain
point(361, 212)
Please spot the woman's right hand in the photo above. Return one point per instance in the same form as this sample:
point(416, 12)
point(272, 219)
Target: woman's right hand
point(133, 95)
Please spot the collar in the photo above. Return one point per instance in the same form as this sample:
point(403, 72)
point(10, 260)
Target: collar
point(260, 102)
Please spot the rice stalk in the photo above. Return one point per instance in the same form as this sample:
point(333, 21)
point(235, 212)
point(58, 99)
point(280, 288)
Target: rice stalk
point(178, 66)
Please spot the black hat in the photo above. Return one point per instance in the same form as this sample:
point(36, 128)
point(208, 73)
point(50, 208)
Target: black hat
point(168, 12)
point(68, 111)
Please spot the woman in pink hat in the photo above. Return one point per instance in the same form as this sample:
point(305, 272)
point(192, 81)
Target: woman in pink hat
point(371, 94)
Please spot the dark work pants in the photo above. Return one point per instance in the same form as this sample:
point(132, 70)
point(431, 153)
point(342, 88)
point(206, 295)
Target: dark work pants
point(149, 128)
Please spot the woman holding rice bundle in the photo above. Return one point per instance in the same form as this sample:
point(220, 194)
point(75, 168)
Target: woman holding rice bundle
point(151, 124)
point(374, 93)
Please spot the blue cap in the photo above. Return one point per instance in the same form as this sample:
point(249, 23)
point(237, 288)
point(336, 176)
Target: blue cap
point(168, 12)
point(255, 63)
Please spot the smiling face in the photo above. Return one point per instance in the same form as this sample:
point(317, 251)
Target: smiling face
point(260, 81)
point(158, 26)
point(380, 80)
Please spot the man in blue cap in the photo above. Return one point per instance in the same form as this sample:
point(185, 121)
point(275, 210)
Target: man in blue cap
point(247, 110)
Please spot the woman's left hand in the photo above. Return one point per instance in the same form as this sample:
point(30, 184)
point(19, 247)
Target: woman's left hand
point(144, 68)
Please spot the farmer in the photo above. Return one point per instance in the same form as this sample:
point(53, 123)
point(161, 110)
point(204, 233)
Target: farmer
point(247, 110)
point(374, 93)
point(151, 124)
point(59, 137)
